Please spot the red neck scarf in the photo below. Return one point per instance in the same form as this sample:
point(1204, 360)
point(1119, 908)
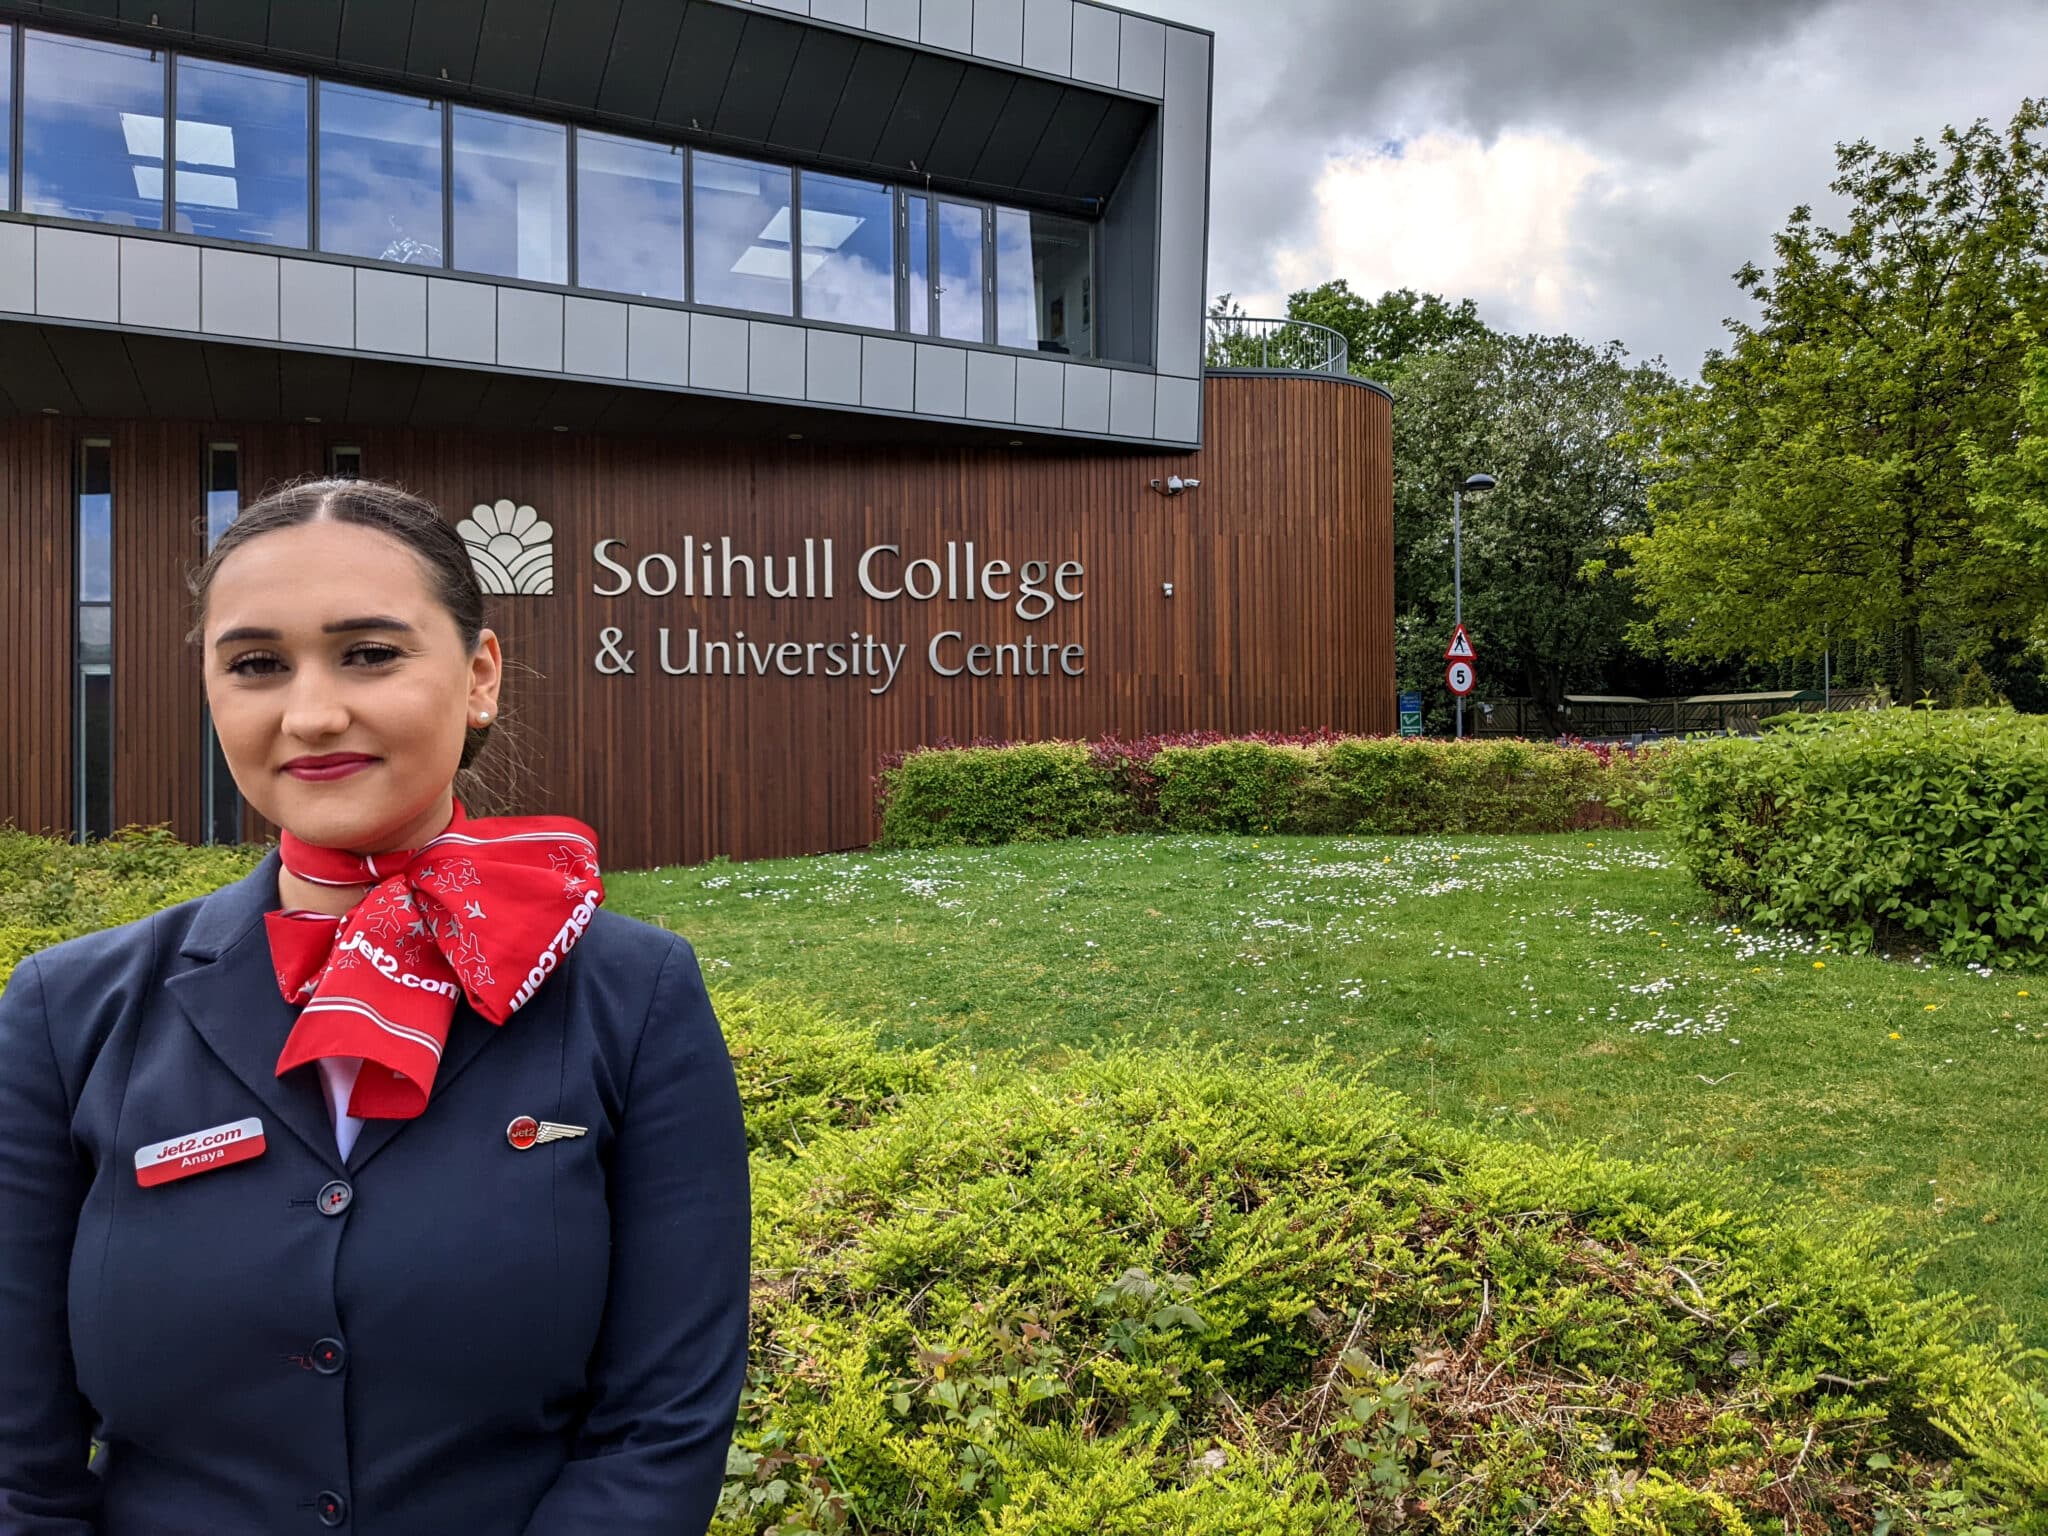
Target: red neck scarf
point(484, 911)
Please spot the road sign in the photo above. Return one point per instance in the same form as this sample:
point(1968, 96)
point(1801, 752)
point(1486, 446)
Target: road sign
point(1461, 647)
point(1411, 714)
point(1458, 678)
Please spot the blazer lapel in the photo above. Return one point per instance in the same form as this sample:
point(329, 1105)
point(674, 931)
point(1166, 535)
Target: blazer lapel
point(232, 999)
point(468, 1033)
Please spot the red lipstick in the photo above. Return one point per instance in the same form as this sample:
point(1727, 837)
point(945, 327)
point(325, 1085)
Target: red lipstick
point(328, 766)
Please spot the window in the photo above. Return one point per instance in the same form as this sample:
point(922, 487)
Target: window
point(380, 175)
point(848, 254)
point(93, 696)
point(92, 131)
point(1044, 282)
point(344, 462)
point(6, 114)
point(511, 181)
point(740, 239)
point(917, 266)
point(629, 216)
point(240, 143)
point(220, 802)
point(962, 315)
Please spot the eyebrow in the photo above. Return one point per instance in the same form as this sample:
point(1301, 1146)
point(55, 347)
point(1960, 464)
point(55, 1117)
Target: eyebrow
point(338, 627)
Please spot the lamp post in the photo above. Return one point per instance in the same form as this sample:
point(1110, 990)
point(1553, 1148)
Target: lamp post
point(1475, 484)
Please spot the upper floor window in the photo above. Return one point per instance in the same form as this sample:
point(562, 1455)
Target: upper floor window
point(848, 251)
point(629, 215)
point(740, 251)
point(1044, 283)
point(511, 182)
point(962, 236)
point(92, 128)
point(380, 175)
point(240, 154)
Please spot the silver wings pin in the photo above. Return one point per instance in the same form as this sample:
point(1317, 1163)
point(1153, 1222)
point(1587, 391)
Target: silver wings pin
point(527, 1132)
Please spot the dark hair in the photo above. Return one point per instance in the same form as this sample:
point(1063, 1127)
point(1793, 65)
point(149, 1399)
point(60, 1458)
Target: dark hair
point(412, 520)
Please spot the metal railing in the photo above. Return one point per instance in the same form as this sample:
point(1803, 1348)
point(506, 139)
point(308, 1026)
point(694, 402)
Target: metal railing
point(1297, 346)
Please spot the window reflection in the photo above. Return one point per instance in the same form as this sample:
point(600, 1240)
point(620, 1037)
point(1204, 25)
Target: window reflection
point(380, 175)
point(960, 298)
point(740, 243)
point(92, 131)
point(220, 802)
point(92, 701)
point(917, 266)
point(241, 148)
point(511, 181)
point(629, 216)
point(848, 270)
point(6, 111)
point(1043, 283)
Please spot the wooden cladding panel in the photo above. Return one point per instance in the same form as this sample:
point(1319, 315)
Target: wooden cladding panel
point(1281, 618)
point(38, 534)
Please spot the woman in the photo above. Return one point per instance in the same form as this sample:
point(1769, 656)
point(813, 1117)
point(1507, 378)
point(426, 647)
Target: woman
point(395, 1188)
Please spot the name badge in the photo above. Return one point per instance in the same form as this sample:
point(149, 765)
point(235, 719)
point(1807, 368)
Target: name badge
point(199, 1152)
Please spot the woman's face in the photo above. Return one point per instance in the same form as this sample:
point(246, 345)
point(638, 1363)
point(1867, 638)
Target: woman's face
point(339, 686)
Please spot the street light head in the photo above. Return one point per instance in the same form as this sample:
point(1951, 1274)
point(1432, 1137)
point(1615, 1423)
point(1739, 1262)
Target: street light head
point(1475, 483)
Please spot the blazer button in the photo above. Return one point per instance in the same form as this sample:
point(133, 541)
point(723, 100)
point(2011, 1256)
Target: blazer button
point(335, 1197)
point(328, 1356)
point(333, 1507)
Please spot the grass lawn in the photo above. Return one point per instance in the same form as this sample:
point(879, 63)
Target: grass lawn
point(1571, 987)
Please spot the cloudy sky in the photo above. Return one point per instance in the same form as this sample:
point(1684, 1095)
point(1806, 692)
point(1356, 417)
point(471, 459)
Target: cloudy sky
point(1593, 166)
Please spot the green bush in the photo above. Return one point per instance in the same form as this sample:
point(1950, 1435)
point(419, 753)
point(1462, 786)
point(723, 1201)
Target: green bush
point(51, 890)
point(1155, 1291)
point(983, 795)
point(1234, 786)
point(1901, 826)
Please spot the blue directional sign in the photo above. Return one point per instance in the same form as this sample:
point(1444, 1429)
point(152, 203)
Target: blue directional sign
point(1411, 714)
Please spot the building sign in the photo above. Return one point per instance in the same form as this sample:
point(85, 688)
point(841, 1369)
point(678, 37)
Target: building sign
point(958, 575)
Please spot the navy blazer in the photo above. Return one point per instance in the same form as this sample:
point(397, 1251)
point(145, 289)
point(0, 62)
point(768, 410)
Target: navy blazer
point(445, 1335)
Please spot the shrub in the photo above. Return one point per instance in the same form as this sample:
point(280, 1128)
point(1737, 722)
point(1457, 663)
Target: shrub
point(1919, 826)
point(980, 796)
point(1234, 786)
point(52, 890)
point(1155, 1291)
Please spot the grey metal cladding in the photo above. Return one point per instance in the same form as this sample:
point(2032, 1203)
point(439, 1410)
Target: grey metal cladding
point(529, 329)
point(391, 312)
point(775, 360)
point(1087, 399)
point(1041, 392)
point(238, 294)
point(99, 359)
point(78, 274)
point(316, 304)
point(31, 374)
point(991, 386)
point(658, 345)
point(812, 95)
point(869, 98)
point(1049, 36)
point(1131, 402)
point(888, 374)
point(1075, 122)
point(1183, 202)
point(700, 65)
point(509, 45)
point(444, 37)
point(311, 31)
point(18, 268)
point(912, 128)
point(246, 22)
point(643, 42)
point(897, 18)
point(760, 71)
point(999, 30)
point(941, 381)
point(1098, 40)
point(832, 372)
point(969, 121)
point(381, 391)
point(1177, 415)
point(375, 35)
point(1129, 246)
point(158, 285)
point(794, 7)
point(172, 375)
point(1141, 56)
point(594, 338)
point(1017, 131)
point(1102, 160)
point(947, 24)
point(718, 353)
point(313, 384)
point(462, 320)
point(847, 13)
point(572, 60)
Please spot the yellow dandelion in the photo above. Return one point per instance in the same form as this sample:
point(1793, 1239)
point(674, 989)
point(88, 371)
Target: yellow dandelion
point(1820, 965)
point(1931, 1007)
point(1895, 1034)
point(2025, 993)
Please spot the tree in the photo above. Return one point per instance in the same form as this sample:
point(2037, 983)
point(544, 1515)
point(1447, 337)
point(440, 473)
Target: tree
point(1816, 486)
point(1553, 418)
point(1384, 333)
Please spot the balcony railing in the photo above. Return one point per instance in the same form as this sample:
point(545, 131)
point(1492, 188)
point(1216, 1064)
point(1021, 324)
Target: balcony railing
point(1296, 346)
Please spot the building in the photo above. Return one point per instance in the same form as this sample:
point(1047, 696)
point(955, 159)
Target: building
point(814, 378)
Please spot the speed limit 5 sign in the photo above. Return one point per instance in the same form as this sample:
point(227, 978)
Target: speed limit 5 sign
point(1458, 677)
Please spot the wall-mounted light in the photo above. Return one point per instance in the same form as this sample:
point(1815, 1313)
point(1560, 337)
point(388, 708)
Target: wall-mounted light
point(1166, 587)
point(1174, 485)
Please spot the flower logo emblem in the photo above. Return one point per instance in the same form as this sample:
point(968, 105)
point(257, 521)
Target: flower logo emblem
point(512, 549)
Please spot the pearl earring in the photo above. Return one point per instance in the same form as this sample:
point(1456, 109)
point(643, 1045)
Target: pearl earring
point(483, 717)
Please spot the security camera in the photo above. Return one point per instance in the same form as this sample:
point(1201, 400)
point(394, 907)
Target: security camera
point(1167, 586)
point(1174, 485)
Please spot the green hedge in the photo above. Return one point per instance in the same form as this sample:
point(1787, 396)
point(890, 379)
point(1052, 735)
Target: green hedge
point(1920, 826)
point(52, 890)
point(1361, 785)
point(1180, 1292)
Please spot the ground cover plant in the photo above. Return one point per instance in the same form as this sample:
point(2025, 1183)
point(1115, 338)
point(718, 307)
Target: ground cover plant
point(1195, 1292)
